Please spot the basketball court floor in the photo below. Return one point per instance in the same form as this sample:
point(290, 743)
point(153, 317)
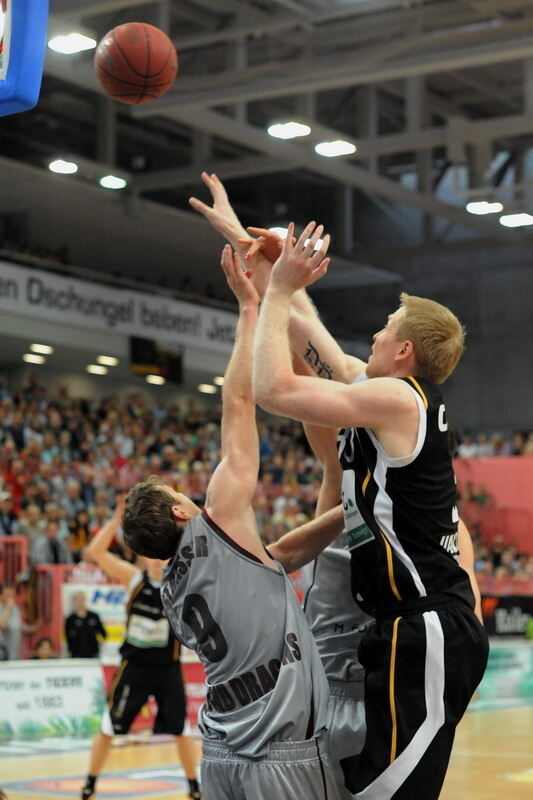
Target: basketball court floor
point(492, 760)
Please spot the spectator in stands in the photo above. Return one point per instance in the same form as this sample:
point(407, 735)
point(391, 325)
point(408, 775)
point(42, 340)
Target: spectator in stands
point(30, 523)
point(79, 534)
point(73, 502)
point(8, 518)
point(82, 629)
point(12, 625)
point(528, 447)
point(48, 549)
point(44, 648)
point(517, 446)
point(467, 448)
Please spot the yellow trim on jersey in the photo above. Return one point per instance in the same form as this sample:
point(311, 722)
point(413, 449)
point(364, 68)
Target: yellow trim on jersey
point(390, 569)
point(419, 390)
point(176, 650)
point(116, 679)
point(134, 594)
point(392, 671)
point(366, 480)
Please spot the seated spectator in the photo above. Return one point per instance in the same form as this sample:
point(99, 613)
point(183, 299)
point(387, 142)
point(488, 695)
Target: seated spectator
point(31, 523)
point(79, 534)
point(8, 518)
point(517, 445)
point(467, 448)
point(44, 648)
point(48, 549)
point(82, 629)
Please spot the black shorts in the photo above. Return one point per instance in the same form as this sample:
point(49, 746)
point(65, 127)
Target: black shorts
point(421, 672)
point(133, 685)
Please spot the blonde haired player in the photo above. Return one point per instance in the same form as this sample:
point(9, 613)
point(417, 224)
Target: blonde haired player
point(397, 473)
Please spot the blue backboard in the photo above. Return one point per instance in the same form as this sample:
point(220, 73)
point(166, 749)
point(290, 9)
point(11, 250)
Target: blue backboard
point(23, 25)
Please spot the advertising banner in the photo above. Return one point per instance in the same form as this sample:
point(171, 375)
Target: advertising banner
point(507, 615)
point(50, 698)
point(508, 679)
point(57, 298)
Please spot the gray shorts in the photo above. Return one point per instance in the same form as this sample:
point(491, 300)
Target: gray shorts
point(289, 771)
point(346, 727)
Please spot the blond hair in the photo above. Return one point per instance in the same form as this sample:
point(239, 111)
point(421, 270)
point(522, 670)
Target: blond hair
point(436, 334)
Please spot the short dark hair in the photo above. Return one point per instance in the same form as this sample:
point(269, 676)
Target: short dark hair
point(148, 523)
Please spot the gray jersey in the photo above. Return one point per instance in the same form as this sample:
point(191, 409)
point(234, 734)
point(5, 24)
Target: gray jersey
point(265, 680)
point(335, 619)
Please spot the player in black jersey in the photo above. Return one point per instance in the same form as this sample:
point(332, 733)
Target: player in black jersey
point(150, 660)
point(427, 651)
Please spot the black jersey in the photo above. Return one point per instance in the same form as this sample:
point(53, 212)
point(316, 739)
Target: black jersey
point(406, 550)
point(149, 639)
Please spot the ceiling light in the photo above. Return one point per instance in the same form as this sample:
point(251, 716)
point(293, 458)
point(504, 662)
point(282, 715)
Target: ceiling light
point(336, 148)
point(44, 349)
point(112, 182)
point(33, 358)
point(207, 388)
point(107, 361)
point(516, 220)
point(280, 231)
point(289, 130)
point(96, 369)
point(71, 43)
point(219, 380)
point(483, 207)
point(63, 167)
point(157, 380)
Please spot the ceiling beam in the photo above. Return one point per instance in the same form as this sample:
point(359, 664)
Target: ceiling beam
point(225, 169)
point(90, 8)
point(336, 72)
point(339, 171)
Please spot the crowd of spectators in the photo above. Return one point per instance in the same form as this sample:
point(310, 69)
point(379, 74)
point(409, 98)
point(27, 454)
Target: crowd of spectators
point(63, 460)
point(485, 445)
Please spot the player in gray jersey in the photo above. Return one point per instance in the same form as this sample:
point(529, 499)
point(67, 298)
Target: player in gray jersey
point(336, 621)
point(266, 709)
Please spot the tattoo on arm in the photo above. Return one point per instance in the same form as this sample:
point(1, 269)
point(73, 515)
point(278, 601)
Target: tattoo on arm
point(312, 357)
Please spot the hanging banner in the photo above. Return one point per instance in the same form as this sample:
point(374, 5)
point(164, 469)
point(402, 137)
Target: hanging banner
point(45, 698)
point(62, 299)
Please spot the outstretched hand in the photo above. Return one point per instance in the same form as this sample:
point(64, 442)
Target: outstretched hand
point(299, 264)
point(221, 214)
point(238, 281)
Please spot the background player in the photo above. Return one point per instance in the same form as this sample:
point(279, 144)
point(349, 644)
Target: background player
point(398, 473)
point(150, 660)
point(225, 597)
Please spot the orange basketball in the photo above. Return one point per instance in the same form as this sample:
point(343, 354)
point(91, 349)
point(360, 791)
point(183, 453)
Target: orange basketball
point(136, 63)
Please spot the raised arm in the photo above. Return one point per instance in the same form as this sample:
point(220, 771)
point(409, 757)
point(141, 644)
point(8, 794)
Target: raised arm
point(231, 489)
point(98, 549)
point(221, 214)
point(309, 337)
point(279, 390)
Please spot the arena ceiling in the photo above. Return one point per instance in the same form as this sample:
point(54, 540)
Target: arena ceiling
point(437, 95)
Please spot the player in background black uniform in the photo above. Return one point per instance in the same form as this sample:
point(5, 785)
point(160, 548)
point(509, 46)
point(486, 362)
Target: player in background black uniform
point(427, 652)
point(150, 660)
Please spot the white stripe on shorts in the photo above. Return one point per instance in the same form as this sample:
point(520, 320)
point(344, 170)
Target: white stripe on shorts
point(385, 785)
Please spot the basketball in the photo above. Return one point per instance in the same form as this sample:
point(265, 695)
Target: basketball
point(136, 63)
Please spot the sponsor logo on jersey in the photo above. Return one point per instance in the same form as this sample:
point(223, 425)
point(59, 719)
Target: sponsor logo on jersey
point(243, 689)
